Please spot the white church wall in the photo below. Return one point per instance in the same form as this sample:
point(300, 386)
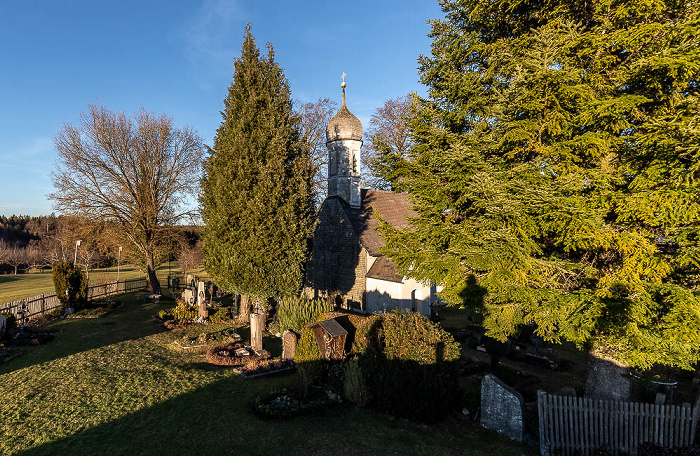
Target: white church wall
point(382, 295)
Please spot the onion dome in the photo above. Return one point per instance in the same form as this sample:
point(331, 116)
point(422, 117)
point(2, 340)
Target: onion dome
point(344, 125)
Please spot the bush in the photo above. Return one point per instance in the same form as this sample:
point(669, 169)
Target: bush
point(11, 322)
point(307, 349)
point(414, 373)
point(181, 311)
point(71, 286)
point(354, 385)
point(294, 313)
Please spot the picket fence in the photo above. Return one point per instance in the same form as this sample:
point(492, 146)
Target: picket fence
point(41, 304)
point(579, 426)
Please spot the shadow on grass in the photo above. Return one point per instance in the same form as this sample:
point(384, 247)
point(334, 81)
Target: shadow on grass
point(217, 419)
point(5, 278)
point(131, 321)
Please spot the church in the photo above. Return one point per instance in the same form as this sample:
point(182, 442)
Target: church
point(346, 262)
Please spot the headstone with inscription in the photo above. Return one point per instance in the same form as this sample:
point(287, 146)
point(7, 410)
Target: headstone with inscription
point(201, 296)
point(190, 280)
point(289, 345)
point(501, 408)
point(188, 296)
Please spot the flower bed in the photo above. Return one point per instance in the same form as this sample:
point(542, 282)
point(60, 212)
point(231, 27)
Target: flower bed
point(235, 354)
point(177, 324)
point(282, 403)
point(202, 340)
point(262, 368)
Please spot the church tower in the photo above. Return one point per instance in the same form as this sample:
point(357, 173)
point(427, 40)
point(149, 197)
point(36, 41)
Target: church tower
point(344, 140)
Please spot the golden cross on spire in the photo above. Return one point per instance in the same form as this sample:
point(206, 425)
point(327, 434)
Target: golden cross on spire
point(343, 77)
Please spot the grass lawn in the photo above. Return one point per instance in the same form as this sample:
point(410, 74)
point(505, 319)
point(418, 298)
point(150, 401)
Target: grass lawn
point(13, 287)
point(117, 385)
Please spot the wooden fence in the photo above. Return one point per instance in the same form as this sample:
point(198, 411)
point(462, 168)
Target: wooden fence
point(45, 303)
point(579, 426)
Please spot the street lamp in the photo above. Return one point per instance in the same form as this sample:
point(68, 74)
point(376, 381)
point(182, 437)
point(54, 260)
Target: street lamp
point(119, 259)
point(75, 257)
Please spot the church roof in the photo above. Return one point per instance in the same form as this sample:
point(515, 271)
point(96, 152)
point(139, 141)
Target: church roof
point(344, 125)
point(384, 269)
point(392, 207)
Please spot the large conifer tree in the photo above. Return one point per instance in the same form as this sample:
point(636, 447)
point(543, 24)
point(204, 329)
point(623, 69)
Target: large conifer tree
point(556, 171)
point(256, 191)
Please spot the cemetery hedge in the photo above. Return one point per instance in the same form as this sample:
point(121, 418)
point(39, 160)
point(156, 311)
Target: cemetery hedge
point(401, 363)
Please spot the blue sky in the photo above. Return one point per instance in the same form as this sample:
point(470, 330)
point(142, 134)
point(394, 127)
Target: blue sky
point(176, 57)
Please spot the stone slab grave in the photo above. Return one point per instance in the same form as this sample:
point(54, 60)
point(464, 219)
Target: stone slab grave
point(501, 408)
point(289, 345)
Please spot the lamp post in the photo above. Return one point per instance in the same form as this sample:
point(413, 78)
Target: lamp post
point(119, 259)
point(75, 257)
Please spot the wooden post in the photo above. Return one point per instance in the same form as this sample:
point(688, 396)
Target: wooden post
point(43, 304)
point(256, 328)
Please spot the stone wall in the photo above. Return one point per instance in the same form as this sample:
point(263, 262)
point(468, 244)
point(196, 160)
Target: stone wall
point(338, 262)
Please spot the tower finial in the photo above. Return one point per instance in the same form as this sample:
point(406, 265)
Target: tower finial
point(342, 85)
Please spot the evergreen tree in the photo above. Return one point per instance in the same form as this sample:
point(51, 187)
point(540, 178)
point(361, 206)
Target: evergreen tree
point(257, 202)
point(555, 172)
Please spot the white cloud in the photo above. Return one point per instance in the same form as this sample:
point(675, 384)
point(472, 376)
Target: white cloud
point(208, 43)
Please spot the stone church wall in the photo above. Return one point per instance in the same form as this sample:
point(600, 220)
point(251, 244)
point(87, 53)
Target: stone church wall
point(337, 258)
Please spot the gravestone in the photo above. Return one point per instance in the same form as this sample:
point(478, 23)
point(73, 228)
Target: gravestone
point(3, 325)
point(607, 380)
point(190, 280)
point(289, 345)
point(201, 296)
point(188, 296)
point(501, 408)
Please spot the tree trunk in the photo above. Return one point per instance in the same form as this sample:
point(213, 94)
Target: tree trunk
point(244, 308)
point(152, 277)
point(607, 380)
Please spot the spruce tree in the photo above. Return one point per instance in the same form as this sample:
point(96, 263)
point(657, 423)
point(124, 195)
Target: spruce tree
point(555, 172)
point(256, 191)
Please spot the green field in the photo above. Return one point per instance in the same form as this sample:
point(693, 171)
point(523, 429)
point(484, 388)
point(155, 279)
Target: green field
point(14, 287)
point(117, 385)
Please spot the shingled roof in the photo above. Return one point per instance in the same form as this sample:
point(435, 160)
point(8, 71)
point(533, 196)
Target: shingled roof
point(392, 207)
point(384, 269)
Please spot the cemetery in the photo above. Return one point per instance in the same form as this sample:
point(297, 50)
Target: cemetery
point(322, 360)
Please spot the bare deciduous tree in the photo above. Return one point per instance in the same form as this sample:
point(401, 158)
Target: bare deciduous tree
point(135, 174)
point(387, 139)
point(15, 256)
point(190, 256)
point(313, 119)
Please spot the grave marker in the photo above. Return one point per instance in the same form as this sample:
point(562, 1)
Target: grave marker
point(289, 345)
point(501, 408)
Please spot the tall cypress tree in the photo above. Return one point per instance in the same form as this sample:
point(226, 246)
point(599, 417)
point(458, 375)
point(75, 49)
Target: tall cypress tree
point(555, 172)
point(256, 191)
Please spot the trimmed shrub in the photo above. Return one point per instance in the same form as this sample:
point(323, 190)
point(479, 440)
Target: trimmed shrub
point(307, 349)
point(295, 312)
point(354, 384)
point(414, 371)
point(71, 286)
point(412, 336)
